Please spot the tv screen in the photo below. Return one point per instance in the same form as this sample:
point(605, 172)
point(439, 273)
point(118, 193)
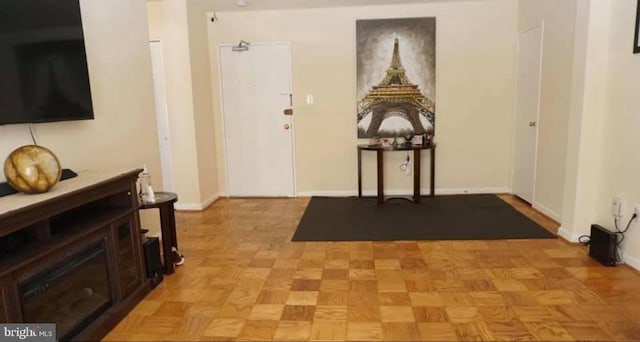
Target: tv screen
point(43, 63)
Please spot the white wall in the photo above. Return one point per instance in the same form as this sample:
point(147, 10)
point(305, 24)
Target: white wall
point(559, 22)
point(168, 23)
point(123, 133)
point(587, 116)
point(202, 100)
point(180, 27)
point(602, 138)
point(620, 163)
point(475, 66)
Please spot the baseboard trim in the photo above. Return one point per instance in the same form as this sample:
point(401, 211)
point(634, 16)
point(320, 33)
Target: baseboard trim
point(326, 193)
point(188, 206)
point(397, 192)
point(209, 201)
point(565, 234)
point(462, 191)
point(198, 206)
point(631, 261)
point(552, 214)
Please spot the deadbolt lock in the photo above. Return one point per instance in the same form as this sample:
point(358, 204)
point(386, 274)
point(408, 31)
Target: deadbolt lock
point(286, 126)
point(288, 111)
point(532, 124)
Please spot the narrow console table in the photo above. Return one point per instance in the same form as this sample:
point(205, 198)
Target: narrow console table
point(164, 202)
point(417, 149)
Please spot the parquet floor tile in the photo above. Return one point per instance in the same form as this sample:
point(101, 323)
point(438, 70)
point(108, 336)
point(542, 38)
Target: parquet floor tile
point(364, 331)
point(293, 330)
point(245, 280)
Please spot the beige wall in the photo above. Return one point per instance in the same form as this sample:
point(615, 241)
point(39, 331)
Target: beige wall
point(620, 164)
point(603, 141)
point(168, 23)
point(123, 133)
point(570, 209)
point(558, 18)
point(188, 99)
point(202, 101)
point(475, 66)
point(587, 117)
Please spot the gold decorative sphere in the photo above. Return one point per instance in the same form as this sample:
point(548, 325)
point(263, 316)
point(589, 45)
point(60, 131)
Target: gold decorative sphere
point(32, 169)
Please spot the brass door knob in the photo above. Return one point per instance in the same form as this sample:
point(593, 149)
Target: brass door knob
point(532, 124)
point(286, 126)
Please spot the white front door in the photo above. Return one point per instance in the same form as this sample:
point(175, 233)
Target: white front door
point(527, 110)
point(162, 115)
point(256, 89)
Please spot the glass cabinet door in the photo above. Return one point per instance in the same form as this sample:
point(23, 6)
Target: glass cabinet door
point(8, 302)
point(128, 260)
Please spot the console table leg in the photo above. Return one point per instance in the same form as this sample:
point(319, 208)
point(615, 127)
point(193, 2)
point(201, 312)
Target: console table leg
point(433, 171)
point(359, 173)
point(416, 176)
point(379, 159)
point(168, 228)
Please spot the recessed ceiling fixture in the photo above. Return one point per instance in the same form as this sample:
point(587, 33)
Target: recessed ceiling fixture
point(242, 3)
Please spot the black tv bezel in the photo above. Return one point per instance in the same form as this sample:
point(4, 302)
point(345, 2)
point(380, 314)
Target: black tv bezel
point(90, 115)
point(75, 118)
point(636, 30)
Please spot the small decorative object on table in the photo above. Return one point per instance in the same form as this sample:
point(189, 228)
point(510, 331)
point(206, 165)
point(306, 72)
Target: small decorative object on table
point(32, 169)
point(429, 136)
point(408, 139)
point(146, 190)
point(170, 253)
point(417, 140)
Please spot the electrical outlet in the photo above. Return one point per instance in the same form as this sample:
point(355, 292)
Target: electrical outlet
point(616, 207)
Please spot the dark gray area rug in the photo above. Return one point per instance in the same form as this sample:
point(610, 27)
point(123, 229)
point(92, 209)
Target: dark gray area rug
point(453, 217)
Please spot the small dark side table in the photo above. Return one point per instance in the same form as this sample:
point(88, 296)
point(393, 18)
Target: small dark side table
point(417, 149)
point(164, 202)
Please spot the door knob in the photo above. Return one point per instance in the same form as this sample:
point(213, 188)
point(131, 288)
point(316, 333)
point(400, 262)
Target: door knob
point(532, 124)
point(286, 126)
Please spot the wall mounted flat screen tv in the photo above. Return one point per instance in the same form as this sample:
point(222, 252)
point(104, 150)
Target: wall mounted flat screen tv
point(43, 64)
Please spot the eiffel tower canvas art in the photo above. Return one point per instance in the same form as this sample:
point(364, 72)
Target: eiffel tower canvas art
point(396, 77)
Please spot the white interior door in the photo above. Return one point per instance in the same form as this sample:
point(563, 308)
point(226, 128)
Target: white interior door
point(256, 89)
point(162, 114)
point(527, 112)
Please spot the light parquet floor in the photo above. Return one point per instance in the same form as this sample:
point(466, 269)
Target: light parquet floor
point(245, 280)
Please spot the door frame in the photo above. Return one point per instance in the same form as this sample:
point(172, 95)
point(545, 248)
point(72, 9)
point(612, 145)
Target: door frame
point(166, 156)
point(224, 126)
point(515, 107)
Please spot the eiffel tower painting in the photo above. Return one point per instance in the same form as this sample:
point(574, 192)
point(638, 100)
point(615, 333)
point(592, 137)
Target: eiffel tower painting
point(396, 106)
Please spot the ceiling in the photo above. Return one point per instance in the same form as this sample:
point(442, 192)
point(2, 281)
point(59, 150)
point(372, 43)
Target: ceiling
point(230, 5)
